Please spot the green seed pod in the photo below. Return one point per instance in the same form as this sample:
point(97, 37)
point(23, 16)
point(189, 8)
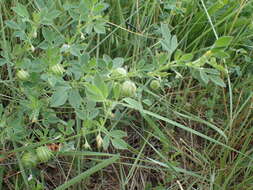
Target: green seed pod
point(155, 84)
point(29, 160)
point(128, 88)
point(44, 153)
point(23, 75)
point(120, 72)
point(58, 69)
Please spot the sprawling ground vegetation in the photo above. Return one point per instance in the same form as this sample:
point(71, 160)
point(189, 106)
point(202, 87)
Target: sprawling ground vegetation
point(126, 94)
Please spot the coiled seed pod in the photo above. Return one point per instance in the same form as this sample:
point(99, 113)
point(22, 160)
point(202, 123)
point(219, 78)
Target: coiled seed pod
point(29, 160)
point(120, 72)
point(155, 85)
point(128, 88)
point(23, 75)
point(44, 154)
point(58, 69)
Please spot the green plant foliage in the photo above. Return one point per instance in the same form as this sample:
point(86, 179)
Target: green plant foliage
point(98, 92)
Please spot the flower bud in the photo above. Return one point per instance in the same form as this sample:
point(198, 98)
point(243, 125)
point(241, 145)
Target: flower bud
point(99, 141)
point(34, 34)
point(87, 145)
point(32, 48)
point(82, 36)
